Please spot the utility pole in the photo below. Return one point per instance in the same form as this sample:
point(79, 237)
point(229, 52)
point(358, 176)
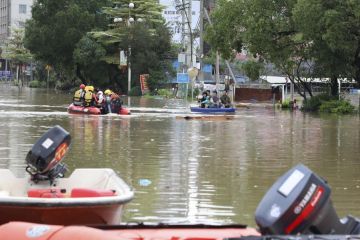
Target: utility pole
point(201, 52)
point(189, 35)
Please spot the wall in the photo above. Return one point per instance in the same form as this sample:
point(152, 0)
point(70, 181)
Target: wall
point(256, 94)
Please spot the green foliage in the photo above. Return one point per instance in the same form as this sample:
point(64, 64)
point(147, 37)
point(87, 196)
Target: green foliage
point(149, 41)
point(57, 26)
point(88, 56)
point(305, 38)
point(226, 33)
point(156, 78)
point(17, 82)
point(285, 104)
point(88, 52)
point(252, 69)
point(313, 104)
point(58, 35)
point(196, 92)
point(328, 26)
point(36, 84)
point(135, 91)
point(164, 92)
point(337, 106)
point(15, 49)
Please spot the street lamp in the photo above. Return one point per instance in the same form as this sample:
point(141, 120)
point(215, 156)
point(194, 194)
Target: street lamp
point(129, 21)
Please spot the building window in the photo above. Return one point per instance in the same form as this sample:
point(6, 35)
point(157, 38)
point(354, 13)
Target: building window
point(22, 8)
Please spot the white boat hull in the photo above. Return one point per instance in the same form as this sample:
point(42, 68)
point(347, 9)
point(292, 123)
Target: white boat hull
point(15, 205)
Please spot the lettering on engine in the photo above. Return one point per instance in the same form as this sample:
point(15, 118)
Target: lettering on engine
point(305, 200)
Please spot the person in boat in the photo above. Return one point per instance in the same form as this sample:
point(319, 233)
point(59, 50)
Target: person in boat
point(78, 99)
point(225, 100)
point(100, 99)
point(214, 100)
point(204, 100)
point(112, 102)
point(90, 97)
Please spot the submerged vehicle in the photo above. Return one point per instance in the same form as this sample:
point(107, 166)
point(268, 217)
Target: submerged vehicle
point(212, 110)
point(94, 110)
point(88, 196)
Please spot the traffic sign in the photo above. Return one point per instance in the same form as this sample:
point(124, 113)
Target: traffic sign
point(182, 78)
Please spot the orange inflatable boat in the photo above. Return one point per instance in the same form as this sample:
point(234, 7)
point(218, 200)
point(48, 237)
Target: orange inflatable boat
point(26, 231)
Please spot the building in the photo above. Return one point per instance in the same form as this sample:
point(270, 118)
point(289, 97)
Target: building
point(13, 14)
point(173, 17)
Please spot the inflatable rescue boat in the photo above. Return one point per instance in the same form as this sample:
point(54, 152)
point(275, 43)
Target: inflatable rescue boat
point(93, 110)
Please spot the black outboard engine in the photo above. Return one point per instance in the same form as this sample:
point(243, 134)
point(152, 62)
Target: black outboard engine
point(44, 158)
point(299, 203)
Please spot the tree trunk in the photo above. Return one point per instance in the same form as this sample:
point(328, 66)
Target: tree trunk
point(79, 74)
point(357, 63)
point(334, 86)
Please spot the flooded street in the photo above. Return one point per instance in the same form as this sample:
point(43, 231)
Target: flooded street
point(189, 171)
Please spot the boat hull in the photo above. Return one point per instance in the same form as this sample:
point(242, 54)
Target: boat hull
point(82, 198)
point(23, 230)
point(69, 215)
point(93, 110)
point(212, 110)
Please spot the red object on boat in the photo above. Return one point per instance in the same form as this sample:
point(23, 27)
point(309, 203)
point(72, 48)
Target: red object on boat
point(46, 193)
point(124, 111)
point(87, 192)
point(93, 110)
point(84, 110)
point(23, 230)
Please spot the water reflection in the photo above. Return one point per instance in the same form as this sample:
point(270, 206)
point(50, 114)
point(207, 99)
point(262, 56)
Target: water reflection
point(200, 171)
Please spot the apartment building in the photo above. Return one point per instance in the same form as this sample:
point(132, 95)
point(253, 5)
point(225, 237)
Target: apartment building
point(13, 13)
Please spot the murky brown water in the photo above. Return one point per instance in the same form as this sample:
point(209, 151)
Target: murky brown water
point(194, 171)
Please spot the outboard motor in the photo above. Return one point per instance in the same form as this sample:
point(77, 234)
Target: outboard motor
point(44, 158)
point(299, 203)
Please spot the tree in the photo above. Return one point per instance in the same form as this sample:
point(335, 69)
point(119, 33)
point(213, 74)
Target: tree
point(148, 38)
point(304, 39)
point(226, 32)
point(16, 52)
point(252, 69)
point(57, 26)
point(88, 56)
point(332, 27)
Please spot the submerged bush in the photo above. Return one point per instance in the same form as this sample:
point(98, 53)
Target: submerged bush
point(285, 104)
point(313, 104)
point(135, 91)
point(36, 84)
point(164, 92)
point(337, 106)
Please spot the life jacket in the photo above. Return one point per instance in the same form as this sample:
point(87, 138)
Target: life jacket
point(88, 99)
point(78, 97)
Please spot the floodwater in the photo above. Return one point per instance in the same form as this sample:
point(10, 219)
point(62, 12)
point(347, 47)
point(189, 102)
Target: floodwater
point(189, 171)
